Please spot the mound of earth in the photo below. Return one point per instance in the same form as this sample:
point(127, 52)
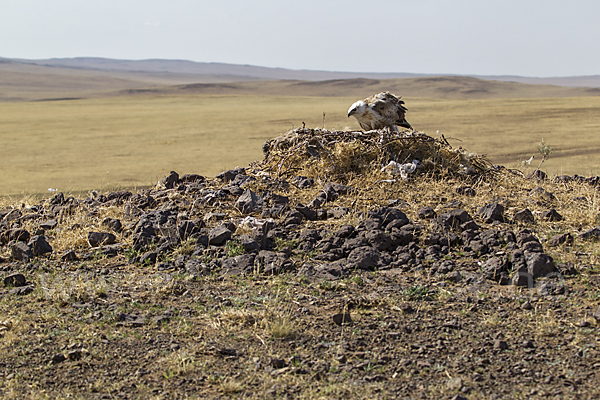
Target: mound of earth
point(322, 271)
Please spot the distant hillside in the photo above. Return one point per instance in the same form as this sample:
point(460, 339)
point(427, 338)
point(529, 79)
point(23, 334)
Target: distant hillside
point(26, 80)
point(433, 87)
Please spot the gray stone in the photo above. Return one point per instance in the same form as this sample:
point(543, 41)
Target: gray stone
point(70, 256)
point(248, 202)
point(333, 190)
point(96, 239)
point(539, 264)
point(552, 215)
point(308, 213)
point(593, 233)
point(15, 280)
point(49, 225)
point(524, 216)
point(149, 258)
point(491, 212)
point(219, 235)
point(365, 258)
point(170, 180)
point(39, 245)
point(426, 213)
point(21, 251)
point(18, 234)
point(113, 223)
point(239, 265)
point(453, 219)
point(271, 262)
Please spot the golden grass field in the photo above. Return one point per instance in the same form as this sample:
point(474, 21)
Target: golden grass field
point(132, 141)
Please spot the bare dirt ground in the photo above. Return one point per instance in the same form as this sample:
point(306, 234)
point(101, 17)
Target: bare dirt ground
point(374, 291)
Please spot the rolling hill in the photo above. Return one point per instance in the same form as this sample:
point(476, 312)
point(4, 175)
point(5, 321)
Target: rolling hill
point(55, 79)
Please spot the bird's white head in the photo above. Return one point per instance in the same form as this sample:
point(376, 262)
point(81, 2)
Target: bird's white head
point(357, 108)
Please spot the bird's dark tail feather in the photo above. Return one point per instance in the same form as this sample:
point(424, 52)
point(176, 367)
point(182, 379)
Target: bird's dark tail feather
point(405, 124)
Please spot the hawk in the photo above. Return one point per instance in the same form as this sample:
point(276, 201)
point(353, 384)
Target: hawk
point(382, 110)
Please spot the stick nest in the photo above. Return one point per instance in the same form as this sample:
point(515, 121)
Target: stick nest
point(342, 155)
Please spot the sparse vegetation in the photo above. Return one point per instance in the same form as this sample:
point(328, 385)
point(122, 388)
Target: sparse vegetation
point(420, 320)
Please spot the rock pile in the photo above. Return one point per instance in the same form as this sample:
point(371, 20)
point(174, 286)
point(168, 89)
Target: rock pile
point(197, 226)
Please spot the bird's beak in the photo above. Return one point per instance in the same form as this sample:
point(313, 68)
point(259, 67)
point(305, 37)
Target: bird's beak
point(351, 112)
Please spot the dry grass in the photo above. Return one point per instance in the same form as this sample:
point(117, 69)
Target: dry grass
point(134, 141)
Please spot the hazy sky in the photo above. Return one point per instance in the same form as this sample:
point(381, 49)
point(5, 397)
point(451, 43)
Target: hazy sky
point(510, 37)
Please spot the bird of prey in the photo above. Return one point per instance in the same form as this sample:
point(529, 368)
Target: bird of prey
point(382, 110)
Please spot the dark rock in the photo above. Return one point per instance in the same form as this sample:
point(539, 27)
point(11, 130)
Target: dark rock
point(170, 180)
point(49, 225)
point(249, 243)
point(21, 251)
point(293, 217)
point(426, 213)
point(453, 276)
point(15, 280)
point(228, 176)
point(187, 228)
point(378, 239)
point(239, 265)
point(552, 215)
point(39, 245)
point(242, 180)
point(524, 236)
point(21, 290)
point(318, 201)
point(542, 194)
point(18, 234)
point(333, 190)
point(466, 191)
point(342, 318)
point(566, 269)
point(491, 212)
point(365, 258)
point(303, 182)
point(308, 213)
point(271, 262)
point(248, 202)
point(500, 345)
point(539, 264)
point(369, 224)
point(96, 239)
point(345, 231)
point(113, 224)
point(470, 226)
point(388, 214)
point(12, 215)
point(524, 216)
point(452, 220)
point(537, 175)
point(69, 256)
point(149, 258)
point(521, 278)
point(550, 288)
point(58, 358)
point(192, 178)
point(532, 247)
point(593, 233)
point(141, 241)
point(192, 266)
point(219, 235)
point(495, 268)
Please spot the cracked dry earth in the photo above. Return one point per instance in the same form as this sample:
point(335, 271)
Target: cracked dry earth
point(233, 288)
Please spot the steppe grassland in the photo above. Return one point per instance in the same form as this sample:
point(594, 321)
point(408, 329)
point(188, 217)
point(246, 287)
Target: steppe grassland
point(134, 141)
